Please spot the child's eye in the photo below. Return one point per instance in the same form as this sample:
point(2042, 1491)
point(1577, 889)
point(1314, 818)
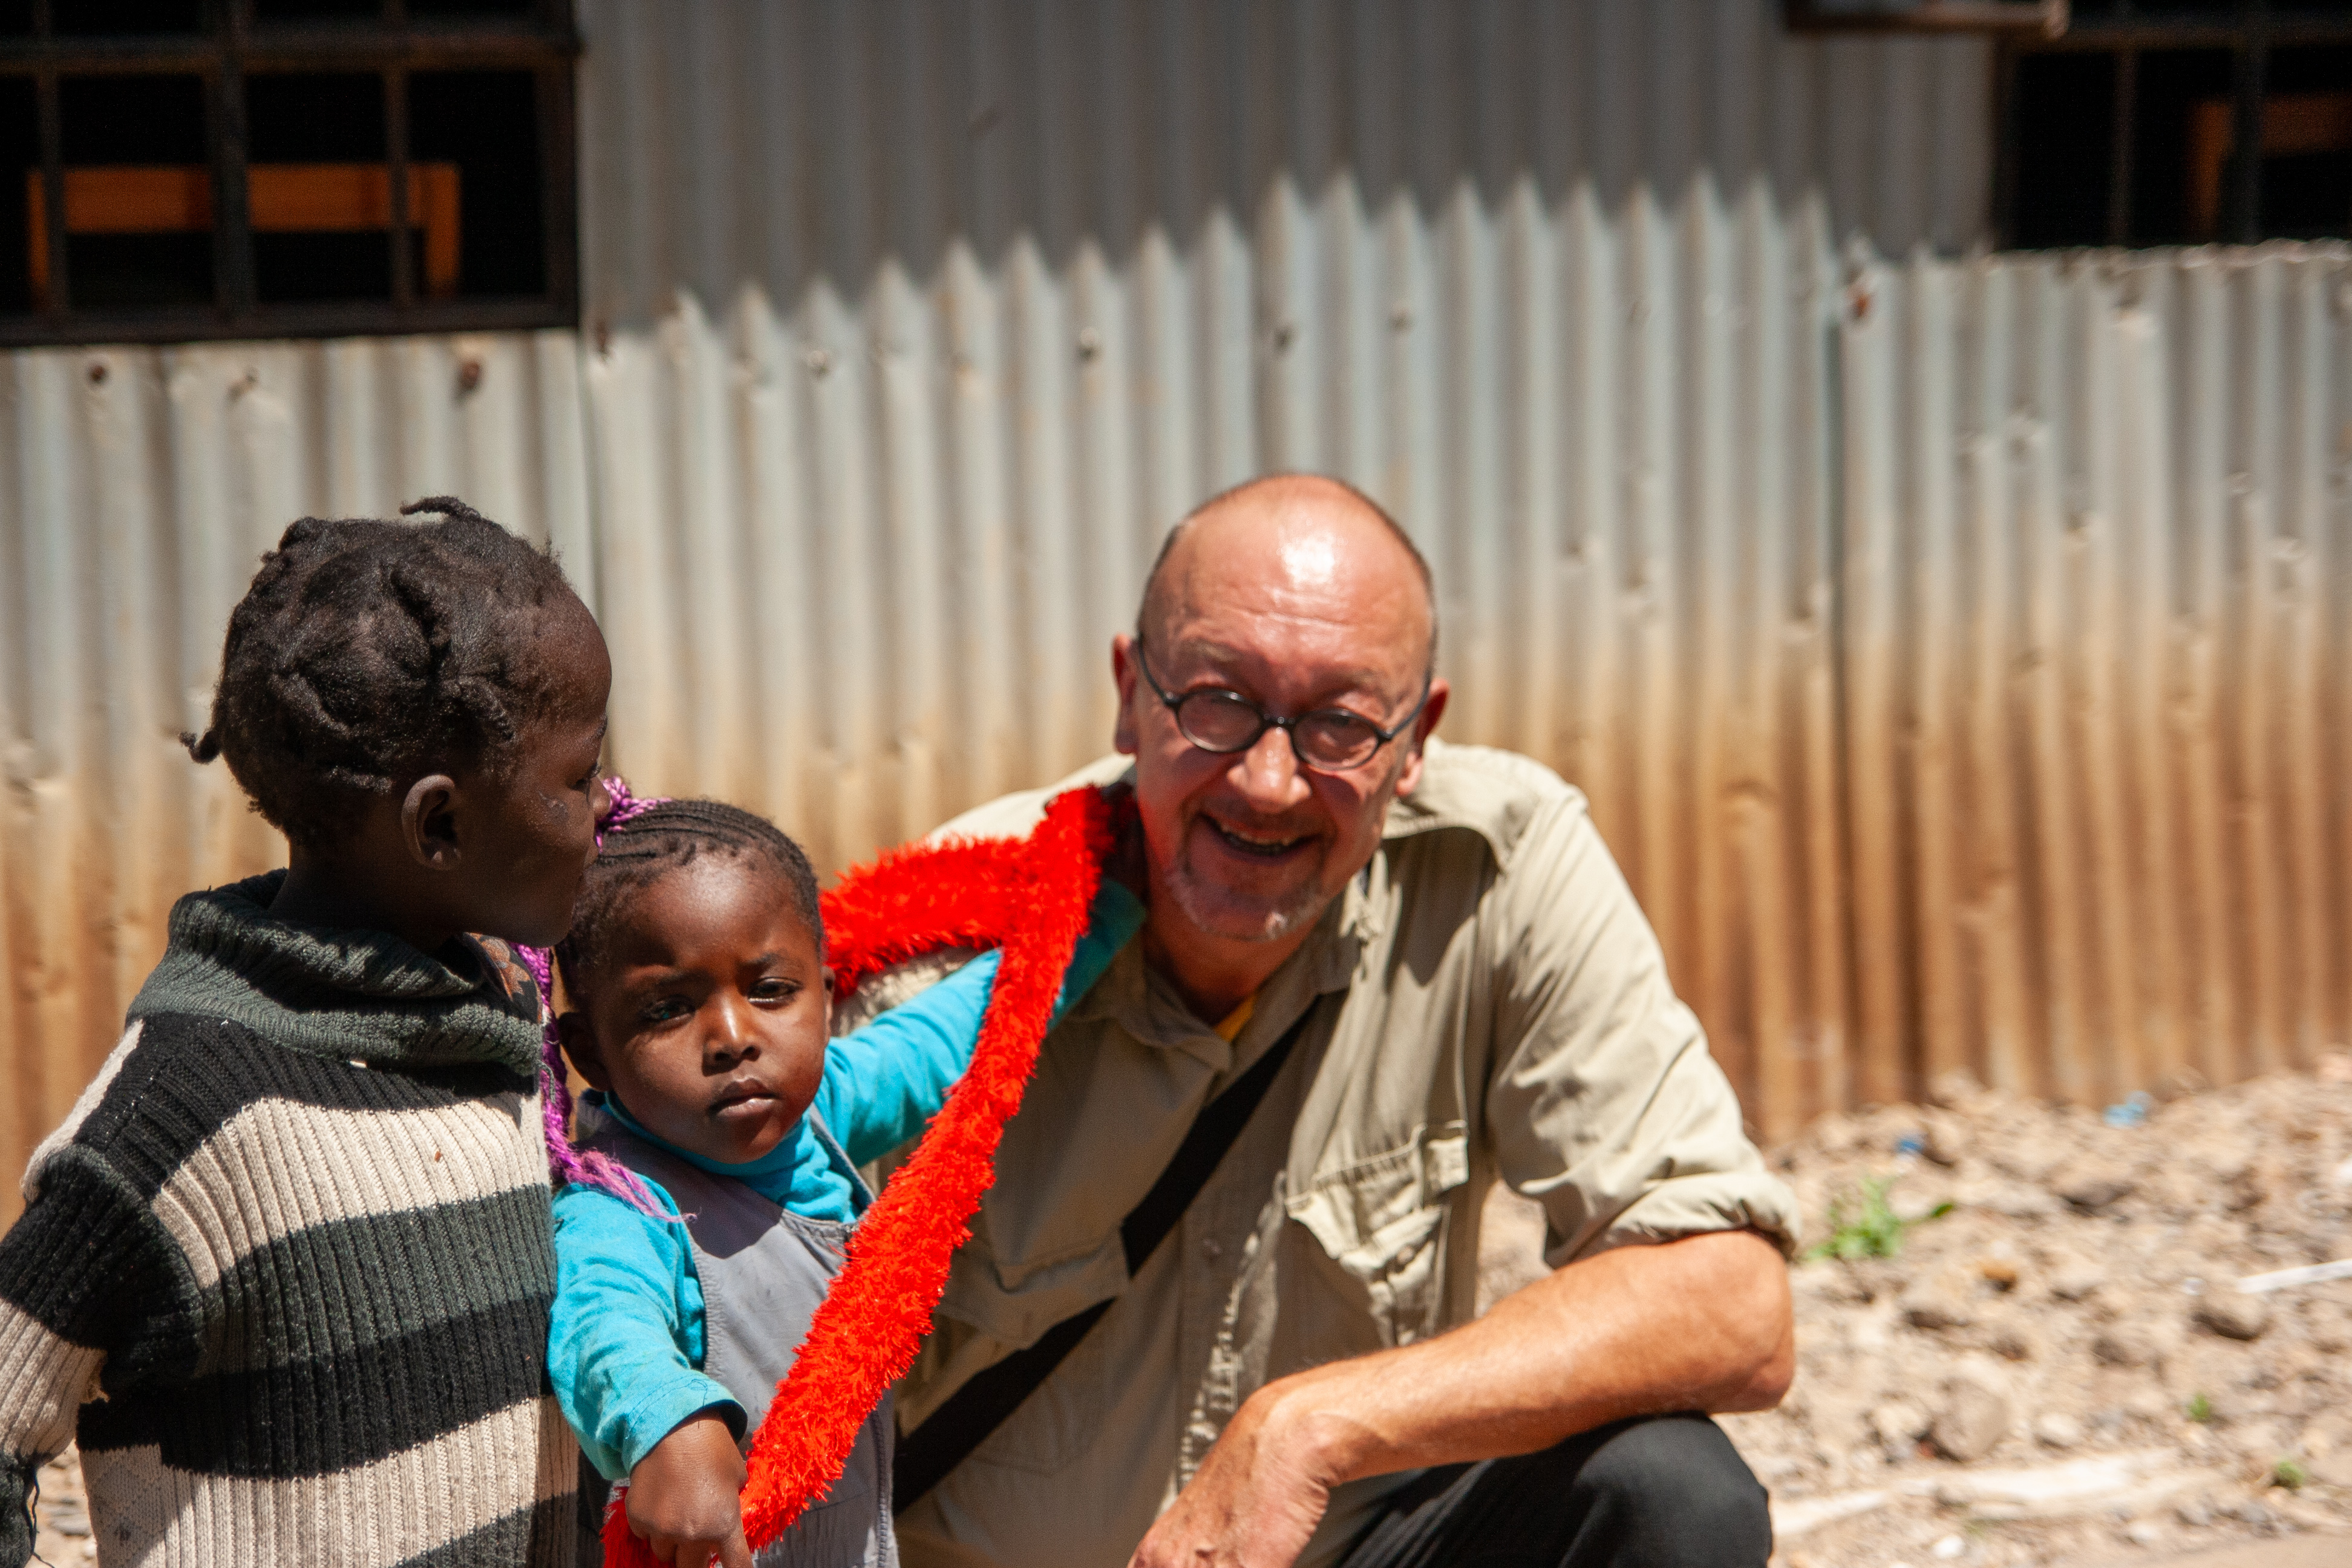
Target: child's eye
point(669, 1010)
point(588, 781)
point(775, 989)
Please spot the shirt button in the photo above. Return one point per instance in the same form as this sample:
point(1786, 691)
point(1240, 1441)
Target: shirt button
point(1211, 1250)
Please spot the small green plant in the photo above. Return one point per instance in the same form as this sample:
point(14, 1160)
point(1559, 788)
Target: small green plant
point(2199, 1409)
point(2289, 1473)
point(1870, 1227)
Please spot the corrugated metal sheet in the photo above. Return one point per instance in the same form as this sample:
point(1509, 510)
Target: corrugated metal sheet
point(1938, 641)
point(2098, 659)
point(914, 326)
point(138, 489)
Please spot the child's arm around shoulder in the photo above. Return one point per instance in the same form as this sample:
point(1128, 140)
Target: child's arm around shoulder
point(884, 1081)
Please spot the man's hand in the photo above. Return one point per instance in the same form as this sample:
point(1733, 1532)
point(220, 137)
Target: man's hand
point(1702, 1323)
point(1257, 1497)
point(684, 1498)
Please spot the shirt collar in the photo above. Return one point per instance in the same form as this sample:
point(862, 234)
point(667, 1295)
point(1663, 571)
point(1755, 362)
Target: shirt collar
point(1476, 788)
point(1147, 1008)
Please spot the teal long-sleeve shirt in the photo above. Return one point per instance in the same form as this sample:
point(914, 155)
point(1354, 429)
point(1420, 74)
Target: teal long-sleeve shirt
point(625, 1344)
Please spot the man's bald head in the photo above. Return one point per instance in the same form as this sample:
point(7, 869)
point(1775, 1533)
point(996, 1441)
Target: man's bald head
point(1292, 600)
point(1312, 529)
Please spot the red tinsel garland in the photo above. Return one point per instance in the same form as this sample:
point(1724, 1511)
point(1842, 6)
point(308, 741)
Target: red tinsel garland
point(1029, 898)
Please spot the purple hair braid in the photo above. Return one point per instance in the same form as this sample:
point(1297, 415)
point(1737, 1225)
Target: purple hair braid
point(567, 1163)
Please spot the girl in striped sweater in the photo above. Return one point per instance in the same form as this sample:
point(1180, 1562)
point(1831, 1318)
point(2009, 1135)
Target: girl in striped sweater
point(286, 1269)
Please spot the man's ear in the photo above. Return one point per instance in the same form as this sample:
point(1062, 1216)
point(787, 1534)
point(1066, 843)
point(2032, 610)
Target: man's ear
point(1124, 736)
point(1409, 779)
point(428, 822)
point(580, 1046)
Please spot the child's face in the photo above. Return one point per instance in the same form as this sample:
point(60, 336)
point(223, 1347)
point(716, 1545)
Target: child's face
point(708, 1017)
point(534, 830)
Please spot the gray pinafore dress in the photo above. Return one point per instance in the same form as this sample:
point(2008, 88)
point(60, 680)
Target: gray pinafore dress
point(763, 1269)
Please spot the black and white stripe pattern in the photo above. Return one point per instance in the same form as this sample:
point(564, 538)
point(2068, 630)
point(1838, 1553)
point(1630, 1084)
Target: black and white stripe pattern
point(294, 1308)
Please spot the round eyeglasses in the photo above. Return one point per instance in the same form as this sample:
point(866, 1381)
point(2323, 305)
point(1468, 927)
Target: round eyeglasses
point(1327, 741)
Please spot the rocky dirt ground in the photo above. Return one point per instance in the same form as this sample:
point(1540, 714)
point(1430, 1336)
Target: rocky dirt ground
point(2055, 1366)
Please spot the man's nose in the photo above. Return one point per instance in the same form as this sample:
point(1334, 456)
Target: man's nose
point(1270, 775)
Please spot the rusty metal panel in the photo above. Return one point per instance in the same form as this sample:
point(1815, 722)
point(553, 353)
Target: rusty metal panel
point(139, 488)
point(2098, 553)
point(913, 326)
point(1953, 649)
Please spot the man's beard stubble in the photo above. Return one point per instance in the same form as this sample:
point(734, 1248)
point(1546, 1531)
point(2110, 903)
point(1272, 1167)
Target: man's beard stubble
point(1220, 913)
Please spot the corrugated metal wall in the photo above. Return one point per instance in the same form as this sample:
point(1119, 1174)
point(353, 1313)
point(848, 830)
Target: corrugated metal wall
point(911, 326)
point(2098, 665)
point(914, 326)
point(137, 489)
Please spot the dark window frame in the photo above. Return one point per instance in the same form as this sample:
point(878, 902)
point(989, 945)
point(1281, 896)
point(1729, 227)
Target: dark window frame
point(2047, 17)
point(2249, 29)
point(232, 45)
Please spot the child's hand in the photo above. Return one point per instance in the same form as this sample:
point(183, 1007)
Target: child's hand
point(684, 1498)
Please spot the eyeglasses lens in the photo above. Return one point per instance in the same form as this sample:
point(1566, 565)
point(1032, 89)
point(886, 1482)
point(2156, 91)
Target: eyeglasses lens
point(1335, 741)
point(1225, 722)
point(1218, 721)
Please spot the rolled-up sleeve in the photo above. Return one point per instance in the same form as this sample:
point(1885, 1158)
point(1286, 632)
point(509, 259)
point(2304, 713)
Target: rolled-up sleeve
point(1603, 1104)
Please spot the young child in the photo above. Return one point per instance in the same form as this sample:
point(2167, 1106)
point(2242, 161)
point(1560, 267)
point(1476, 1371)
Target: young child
point(697, 1008)
point(285, 1270)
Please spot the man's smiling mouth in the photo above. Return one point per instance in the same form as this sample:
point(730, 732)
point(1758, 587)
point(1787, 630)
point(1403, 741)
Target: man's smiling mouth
point(1259, 846)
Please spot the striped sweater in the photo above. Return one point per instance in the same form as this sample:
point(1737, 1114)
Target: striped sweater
point(285, 1271)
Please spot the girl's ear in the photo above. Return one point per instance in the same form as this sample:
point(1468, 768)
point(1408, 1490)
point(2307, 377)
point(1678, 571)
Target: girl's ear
point(427, 825)
point(580, 1044)
point(824, 980)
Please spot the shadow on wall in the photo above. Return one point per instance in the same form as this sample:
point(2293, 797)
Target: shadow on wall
point(798, 146)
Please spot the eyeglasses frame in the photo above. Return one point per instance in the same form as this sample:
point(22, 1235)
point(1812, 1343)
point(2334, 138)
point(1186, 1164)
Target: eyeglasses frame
point(1173, 701)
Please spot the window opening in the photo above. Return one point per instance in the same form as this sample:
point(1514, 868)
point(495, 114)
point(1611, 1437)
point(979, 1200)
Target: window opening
point(214, 168)
point(102, 18)
point(2172, 121)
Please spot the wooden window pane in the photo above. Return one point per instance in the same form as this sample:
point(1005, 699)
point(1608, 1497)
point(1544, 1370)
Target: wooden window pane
point(317, 188)
point(317, 10)
point(484, 126)
point(85, 18)
point(20, 155)
point(2183, 136)
point(138, 195)
point(197, 194)
point(2066, 110)
point(2306, 169)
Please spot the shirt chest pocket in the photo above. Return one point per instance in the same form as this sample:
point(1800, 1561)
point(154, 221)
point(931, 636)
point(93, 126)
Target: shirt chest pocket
point(1383, 1221)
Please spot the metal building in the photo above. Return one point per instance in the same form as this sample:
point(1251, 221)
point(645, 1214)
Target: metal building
point(1953, 642)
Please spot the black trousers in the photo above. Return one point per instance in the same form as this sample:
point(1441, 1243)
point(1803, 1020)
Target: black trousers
point(1662, 1491)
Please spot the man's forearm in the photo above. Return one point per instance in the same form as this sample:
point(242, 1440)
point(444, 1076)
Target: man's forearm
point(1702, 1323)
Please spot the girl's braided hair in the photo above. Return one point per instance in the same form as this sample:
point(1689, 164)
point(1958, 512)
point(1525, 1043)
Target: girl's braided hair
point(648, 840)
point(367, 650)
point(638, 843)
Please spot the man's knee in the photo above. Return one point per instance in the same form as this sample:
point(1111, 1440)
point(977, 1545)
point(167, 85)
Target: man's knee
point(1672, 1491)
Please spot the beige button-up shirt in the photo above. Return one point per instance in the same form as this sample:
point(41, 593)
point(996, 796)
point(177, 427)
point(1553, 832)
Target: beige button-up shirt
point(1492, 1006)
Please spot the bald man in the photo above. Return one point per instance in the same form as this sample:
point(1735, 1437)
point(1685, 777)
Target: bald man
point(1217, 1307)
